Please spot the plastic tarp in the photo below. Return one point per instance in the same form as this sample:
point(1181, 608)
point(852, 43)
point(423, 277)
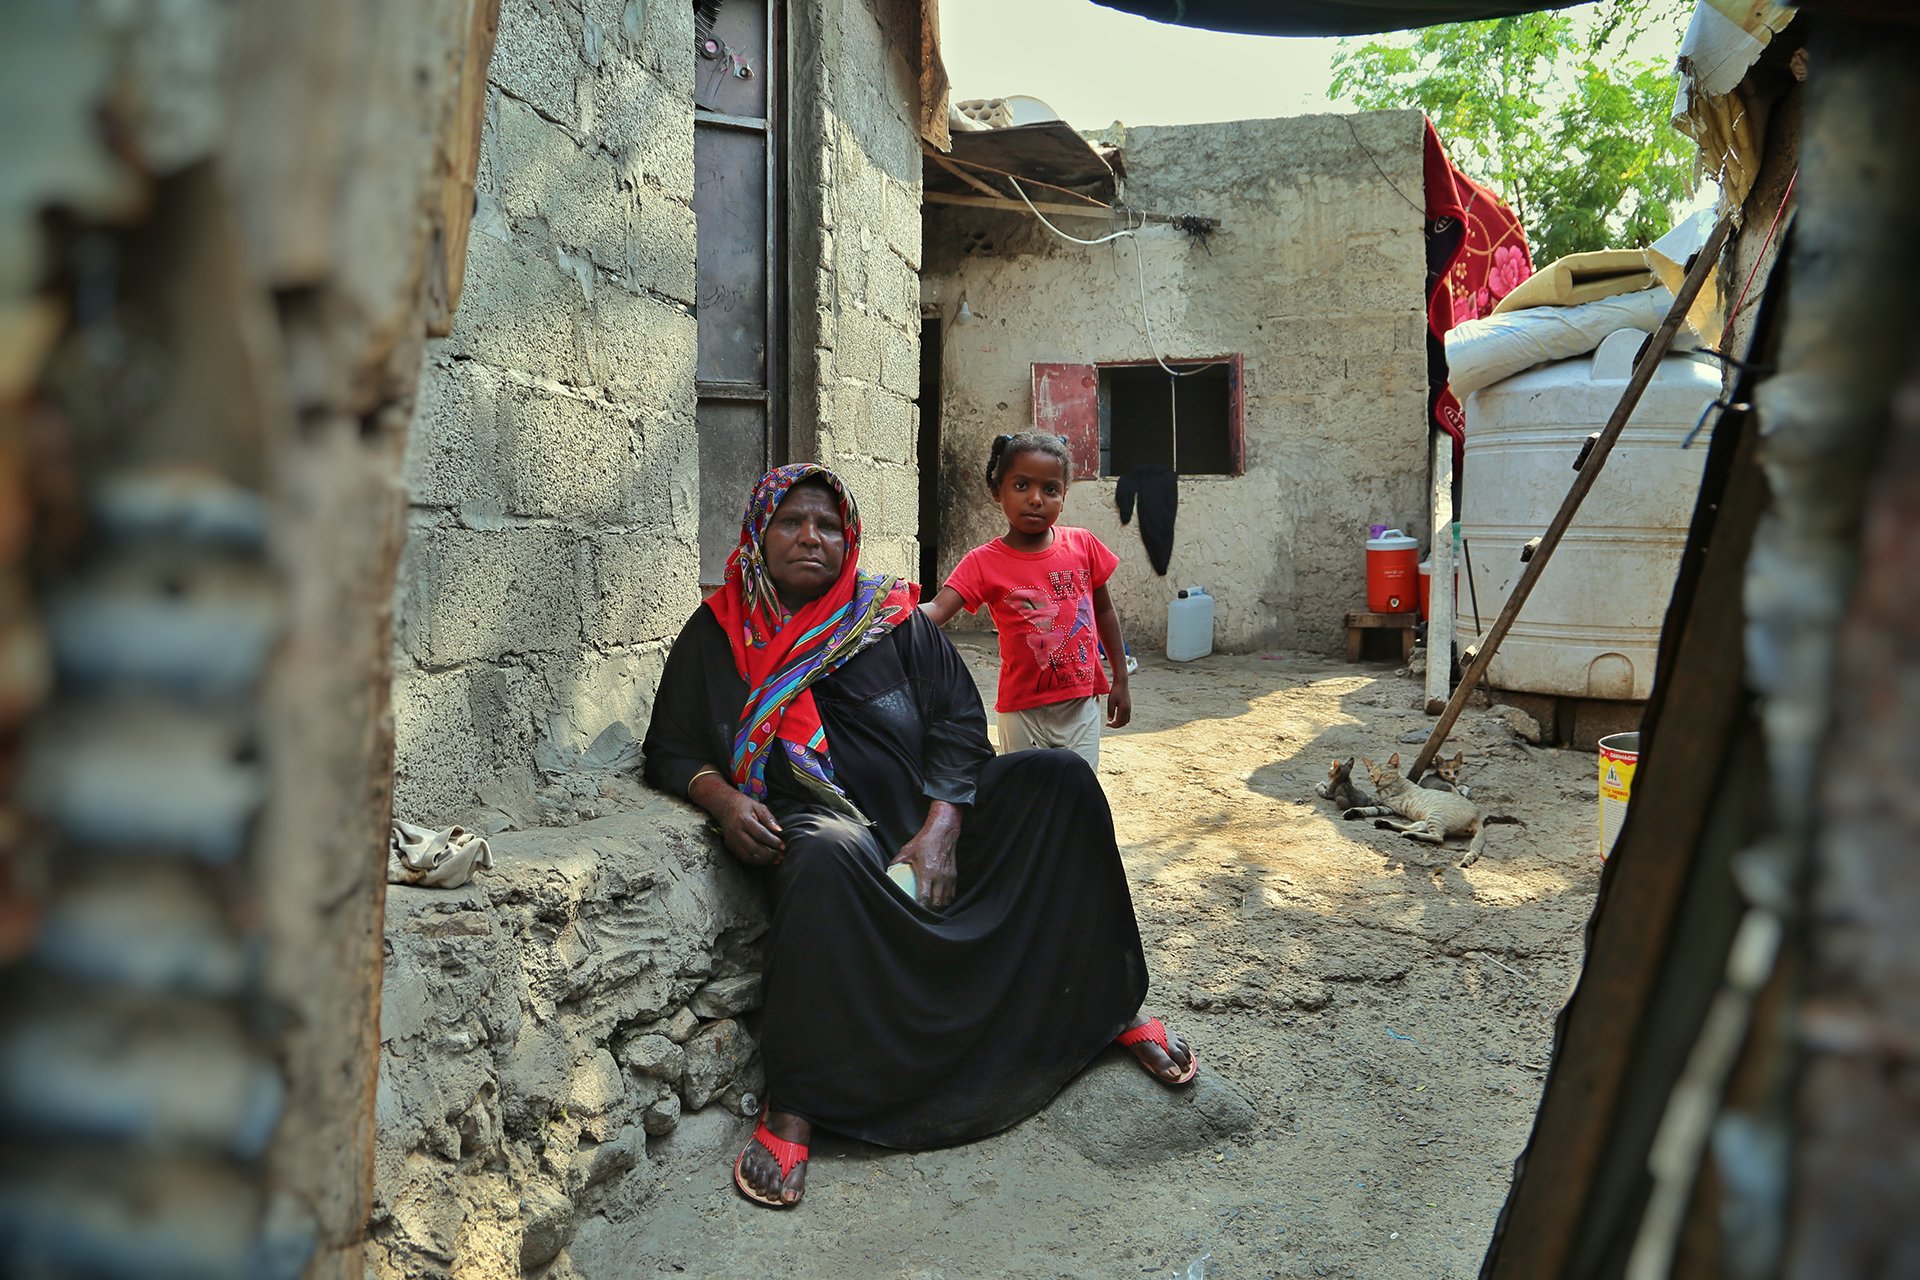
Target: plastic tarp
point(1482, 352)
point(1325, 17)
point(1715, 106)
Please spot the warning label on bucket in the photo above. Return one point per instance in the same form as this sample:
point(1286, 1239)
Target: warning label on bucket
point(1616, 778)
point(1619, 757)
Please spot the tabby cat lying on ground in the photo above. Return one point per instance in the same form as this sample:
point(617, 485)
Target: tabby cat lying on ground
point(1433, 816)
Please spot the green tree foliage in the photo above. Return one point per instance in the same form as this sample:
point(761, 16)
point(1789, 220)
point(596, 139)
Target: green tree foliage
point(1550, 111)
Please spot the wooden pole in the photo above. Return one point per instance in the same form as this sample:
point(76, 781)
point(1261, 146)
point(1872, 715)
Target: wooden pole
point(1050, 208)
point(1656, 350)
point(1440, 621)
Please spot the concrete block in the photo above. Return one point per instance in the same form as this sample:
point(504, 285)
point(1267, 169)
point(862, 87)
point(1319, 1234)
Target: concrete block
point(860, 343)
point(648, 123)
point(894, 292)
point(899, 489)
point(562, 456)
point(888, 430)
point(546, 177)
point(1293, 372)
point(663, 491)
point(592, 691)
point(899, 360)
point(451, 434)
point(643, 588)
point(536, 58)
point(485, 594)
point(902, 220)
point(647, 34)
point(456, 732)
point(660, 251)
point(849, 259)
point(519, 311)
point(643, 351)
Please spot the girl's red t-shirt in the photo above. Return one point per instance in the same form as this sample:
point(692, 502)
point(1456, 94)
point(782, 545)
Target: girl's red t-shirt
point(1042, 602)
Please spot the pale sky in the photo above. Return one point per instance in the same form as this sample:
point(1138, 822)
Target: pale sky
point(1095, 65)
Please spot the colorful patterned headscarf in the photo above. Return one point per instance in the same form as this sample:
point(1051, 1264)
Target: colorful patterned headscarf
point(780, 654)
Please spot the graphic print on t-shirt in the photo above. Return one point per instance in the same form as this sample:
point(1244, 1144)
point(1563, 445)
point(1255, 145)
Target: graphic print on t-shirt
point(1060, 615)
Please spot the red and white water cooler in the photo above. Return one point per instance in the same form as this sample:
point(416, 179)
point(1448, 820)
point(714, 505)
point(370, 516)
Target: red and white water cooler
point(1393, 573)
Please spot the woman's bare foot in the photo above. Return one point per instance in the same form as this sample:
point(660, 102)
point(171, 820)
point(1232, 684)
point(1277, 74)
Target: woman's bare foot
point(1170, 1065)
point(758, 1172)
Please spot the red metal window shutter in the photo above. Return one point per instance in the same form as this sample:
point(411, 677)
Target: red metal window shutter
point(1066, 403)
point(1236, 416)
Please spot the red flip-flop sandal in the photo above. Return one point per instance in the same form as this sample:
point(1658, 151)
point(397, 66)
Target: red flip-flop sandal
point(785, 1154)
point(1153, 1029)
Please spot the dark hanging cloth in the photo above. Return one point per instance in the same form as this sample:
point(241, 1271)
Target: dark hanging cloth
point(1158, 491)
point(884, 1020)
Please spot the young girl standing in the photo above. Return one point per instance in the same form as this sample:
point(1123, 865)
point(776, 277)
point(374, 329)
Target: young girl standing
point(1045, 586)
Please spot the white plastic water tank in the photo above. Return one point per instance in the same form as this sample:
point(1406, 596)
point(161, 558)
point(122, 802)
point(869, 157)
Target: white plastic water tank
point(1591, 628)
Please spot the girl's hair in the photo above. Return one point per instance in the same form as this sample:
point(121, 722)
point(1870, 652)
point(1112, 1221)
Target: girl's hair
point(1007, 448)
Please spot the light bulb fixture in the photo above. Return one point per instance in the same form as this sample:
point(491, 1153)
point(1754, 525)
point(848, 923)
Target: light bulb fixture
point(964, 313)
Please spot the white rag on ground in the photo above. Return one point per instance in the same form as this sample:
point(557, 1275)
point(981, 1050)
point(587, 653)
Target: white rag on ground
point(436, 859)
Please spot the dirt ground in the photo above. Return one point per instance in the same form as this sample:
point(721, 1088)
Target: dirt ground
point(1387, 1015)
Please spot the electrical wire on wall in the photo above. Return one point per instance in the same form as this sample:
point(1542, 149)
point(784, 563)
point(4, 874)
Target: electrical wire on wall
point(1128, 232)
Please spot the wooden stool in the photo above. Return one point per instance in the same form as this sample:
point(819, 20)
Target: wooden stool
point(1358, 624)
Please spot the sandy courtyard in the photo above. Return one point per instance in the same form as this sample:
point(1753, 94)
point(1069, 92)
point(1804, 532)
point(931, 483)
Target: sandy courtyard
point(1376, 1018)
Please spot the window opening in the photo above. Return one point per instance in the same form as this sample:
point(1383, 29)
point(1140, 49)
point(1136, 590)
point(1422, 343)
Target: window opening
point(1187, 421)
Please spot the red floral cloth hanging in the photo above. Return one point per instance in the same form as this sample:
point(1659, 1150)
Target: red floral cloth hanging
point(1476, 254)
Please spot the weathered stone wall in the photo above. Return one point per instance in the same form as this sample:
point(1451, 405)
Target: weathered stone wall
point(1316, 276)
point(553, 466)
point(545, 1027)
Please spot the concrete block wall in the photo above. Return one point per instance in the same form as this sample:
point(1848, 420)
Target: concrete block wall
point(855, 254)
point(552, 464)
point(1316, 276)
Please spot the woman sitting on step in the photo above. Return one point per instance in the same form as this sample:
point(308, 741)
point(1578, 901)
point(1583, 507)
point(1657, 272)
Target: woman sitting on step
point(832, 731)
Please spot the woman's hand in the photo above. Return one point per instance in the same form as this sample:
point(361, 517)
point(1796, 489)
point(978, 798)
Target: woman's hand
point(747, 827)
point(1119, 703)
point(750, 831)
point(930, 853)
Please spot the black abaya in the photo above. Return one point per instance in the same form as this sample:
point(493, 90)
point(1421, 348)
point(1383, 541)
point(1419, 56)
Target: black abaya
point(885, 1020)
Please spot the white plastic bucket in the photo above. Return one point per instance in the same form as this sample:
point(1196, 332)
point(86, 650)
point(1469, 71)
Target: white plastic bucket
point(1619, 757)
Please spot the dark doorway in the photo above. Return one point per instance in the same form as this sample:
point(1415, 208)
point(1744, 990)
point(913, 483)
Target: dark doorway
point(931, 332)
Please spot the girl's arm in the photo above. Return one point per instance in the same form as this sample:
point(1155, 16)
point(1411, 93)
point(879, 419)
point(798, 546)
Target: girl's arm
point(1107, 623)
point(945, 603)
